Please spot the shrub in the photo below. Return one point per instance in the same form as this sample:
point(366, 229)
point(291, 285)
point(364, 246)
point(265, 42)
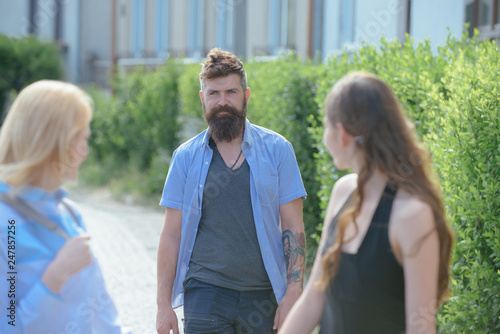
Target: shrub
point(138, 127)
point(282, 99)
point(24, 61)
point(191, 111)
point(465, 144)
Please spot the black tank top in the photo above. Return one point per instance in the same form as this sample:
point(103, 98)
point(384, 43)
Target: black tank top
point(367, 295)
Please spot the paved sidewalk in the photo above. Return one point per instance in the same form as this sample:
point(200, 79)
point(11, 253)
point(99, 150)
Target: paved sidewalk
point(124, 239)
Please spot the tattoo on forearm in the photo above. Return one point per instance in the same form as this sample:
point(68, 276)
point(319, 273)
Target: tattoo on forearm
point(294, 248)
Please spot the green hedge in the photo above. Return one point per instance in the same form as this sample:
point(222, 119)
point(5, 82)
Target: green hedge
point(465, 142)
point(24, 61)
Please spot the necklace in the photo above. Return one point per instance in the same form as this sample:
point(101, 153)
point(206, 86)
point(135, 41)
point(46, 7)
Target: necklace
point(237, 159)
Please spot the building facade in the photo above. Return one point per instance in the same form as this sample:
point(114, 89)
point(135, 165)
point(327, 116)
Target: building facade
point(95, 35)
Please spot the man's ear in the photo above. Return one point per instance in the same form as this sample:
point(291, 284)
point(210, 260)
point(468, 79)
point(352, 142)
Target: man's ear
point(201, 96)
point(247, 94)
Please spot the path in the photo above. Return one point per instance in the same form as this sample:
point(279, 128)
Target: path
point(125, 240)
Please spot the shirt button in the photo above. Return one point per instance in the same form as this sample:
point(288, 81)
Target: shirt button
point(201, 185)
point(206, 162)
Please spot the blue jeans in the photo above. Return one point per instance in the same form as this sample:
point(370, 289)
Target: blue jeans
point(215, 310)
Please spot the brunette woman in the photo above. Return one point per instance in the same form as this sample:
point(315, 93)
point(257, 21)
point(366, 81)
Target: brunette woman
point(383, 261)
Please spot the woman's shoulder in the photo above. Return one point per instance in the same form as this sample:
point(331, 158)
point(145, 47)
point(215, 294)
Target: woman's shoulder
point(344, 187)
point(408, 207)
point(341, 191)
point(347, 182)
point(412, 217)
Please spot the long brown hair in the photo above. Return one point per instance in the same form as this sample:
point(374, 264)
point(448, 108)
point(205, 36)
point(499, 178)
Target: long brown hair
point(367, 107)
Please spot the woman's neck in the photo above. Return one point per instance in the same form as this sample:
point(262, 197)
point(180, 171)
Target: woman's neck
point(48, 180)
point(376, 182)
point(375, 185)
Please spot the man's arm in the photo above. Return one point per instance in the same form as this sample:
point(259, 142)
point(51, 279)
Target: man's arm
point(294, 247)
point(168, 251)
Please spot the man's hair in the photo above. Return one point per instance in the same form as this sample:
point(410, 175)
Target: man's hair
point(221, 63)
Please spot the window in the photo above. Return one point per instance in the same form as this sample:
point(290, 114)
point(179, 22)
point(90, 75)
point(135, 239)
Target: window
point(32, 30)
point(161, 28)
point(497, 15)
point(239, 36)
point(225, 14)
point(404, 20)
point(195, 29)
point(278, 25)
point(347, 22)
point(317, 27)
point(483, 15)
point(58, 22)
point(485, 10)
point(138, 28)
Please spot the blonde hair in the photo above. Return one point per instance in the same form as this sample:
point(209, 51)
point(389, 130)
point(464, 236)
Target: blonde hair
point(39, 129)
point(366, 106)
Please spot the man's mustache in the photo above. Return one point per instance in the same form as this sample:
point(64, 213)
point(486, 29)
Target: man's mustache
point(229, 109)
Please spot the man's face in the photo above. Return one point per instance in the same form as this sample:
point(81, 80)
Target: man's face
point(224, 106)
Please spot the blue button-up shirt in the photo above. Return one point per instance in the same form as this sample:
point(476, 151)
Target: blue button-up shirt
point(83, 304)
point(274, 180)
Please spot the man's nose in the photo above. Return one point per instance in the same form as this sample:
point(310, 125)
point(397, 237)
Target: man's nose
point(223, 99)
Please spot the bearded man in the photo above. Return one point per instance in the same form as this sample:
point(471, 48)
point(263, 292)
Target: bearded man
point(231, 194)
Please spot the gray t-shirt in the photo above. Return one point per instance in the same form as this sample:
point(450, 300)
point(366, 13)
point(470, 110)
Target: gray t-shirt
point(226, 252)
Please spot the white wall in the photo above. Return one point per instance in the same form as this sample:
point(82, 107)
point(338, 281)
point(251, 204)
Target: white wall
point(431, 18)
point(96, 28)
point(178, 34)
point(14, 19)
point(302, 28)
point(258, 27)
point(375, 19)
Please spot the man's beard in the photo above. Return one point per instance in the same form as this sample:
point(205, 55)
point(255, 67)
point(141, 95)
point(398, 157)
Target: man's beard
point(226, 127)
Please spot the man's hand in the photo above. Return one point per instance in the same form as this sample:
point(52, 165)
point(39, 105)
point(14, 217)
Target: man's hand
point(166, 320)
point(168, 251)
point(293, 293)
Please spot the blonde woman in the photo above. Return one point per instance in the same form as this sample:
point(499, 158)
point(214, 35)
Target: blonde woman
point(54, 284)
point(383, 261)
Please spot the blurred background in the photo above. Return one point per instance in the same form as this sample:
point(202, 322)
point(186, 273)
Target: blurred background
point(94, 35)
point(140, 62)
